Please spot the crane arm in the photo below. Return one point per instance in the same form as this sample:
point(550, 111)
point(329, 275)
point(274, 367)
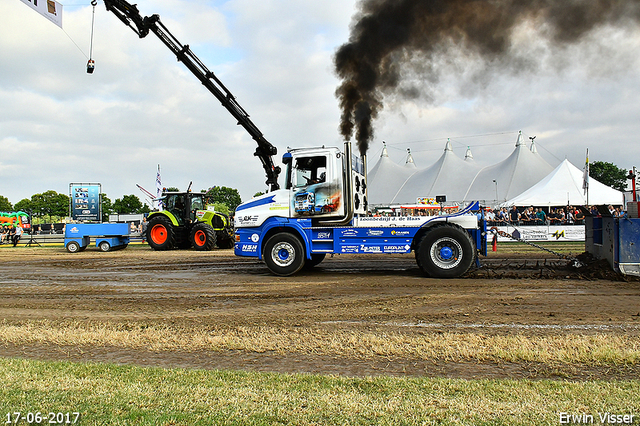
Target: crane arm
point(130, 16)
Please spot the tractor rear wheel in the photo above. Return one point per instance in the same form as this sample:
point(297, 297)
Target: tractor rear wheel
point(445, 251)
point(161, 234)
point(203, 237)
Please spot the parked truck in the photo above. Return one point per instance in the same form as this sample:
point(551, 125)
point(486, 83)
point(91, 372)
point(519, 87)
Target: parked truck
point(323, 207)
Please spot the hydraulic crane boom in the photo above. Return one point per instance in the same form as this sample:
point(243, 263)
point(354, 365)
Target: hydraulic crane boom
point(130, 15)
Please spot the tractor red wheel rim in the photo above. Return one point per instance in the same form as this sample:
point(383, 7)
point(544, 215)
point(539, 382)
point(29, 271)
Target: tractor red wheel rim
point(159, 234)
point(200, 238)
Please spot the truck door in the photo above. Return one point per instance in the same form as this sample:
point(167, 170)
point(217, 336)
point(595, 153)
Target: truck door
point(315, 185)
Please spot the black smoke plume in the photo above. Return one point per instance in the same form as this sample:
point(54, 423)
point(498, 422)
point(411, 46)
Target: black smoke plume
point(388, 35)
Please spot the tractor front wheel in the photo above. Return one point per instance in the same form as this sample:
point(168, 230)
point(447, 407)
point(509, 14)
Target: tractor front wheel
point(203, 237)
point(161, 233)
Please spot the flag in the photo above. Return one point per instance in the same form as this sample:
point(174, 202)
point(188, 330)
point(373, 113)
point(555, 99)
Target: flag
point(585, 175)
point(159, 188)
point(50, 9)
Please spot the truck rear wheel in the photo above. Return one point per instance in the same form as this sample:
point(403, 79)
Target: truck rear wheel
point(203, 237)
point(284, 254)
point(445, 252)
point(160, 233)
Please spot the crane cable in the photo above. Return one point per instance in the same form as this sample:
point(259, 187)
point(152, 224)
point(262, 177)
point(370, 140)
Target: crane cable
point(91, 64)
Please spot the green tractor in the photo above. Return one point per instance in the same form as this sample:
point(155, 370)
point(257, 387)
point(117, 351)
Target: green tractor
point(186, 222)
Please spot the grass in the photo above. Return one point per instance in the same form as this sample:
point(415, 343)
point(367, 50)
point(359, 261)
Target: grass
point(596, 349)
point(107, 394)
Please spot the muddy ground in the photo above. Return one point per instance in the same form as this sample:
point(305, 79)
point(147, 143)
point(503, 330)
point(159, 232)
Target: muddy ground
point(511, 293)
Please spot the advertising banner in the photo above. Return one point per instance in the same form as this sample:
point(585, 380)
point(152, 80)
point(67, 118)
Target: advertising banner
point(85, 202)
point(50, 9)
point(544, 233)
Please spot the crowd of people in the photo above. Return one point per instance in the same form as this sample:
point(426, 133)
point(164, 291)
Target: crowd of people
point(10, 234)
point(537, 216)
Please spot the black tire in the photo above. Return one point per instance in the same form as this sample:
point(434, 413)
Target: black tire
point(161, 234)
point(73, 247)
point(316, 259)
point(284, 254)
point(202, 237)
point(224, 240)
point(445, 251)
point(104, 246)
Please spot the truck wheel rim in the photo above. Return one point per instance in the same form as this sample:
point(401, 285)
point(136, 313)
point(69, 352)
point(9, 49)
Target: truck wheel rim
point(446, 253)
point(72, 248)
point(159, 234)
point(200, 238)
point(283, 254)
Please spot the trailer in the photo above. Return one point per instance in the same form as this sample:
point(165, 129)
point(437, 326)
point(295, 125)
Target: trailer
point(107, 236)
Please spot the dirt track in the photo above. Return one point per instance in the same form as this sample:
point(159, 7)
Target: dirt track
point(188, 289)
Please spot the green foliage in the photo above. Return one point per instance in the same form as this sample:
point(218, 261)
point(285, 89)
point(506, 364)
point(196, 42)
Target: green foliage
point(107, 207)
point(23, 205)
point(49, 203)
point(5, 205)
point(223, 195)
point(172, 189)
point(257, 194)
point(609, 174)
point(128, 204)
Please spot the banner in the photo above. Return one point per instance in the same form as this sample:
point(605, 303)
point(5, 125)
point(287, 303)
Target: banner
point(50, 9)
point(543, 233)
point(85, 202)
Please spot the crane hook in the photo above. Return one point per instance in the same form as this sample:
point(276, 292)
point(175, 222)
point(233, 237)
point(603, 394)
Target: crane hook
point(91, 65)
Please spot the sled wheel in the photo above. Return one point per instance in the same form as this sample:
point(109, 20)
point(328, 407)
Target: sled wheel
point(73, 247)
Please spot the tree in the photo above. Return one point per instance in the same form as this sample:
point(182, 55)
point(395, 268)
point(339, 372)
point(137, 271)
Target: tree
point(5, 205)
point(107, 207)
point(223, 195)
point(23, 205)
point(127, 205)
point(609, 174)
point(49, 203)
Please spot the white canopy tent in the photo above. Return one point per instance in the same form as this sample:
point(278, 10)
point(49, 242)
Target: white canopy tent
point(449, 176)
point(563, 186)
point(510, 177)
point(386, 177)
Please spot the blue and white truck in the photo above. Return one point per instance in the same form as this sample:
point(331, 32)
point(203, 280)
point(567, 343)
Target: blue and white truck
point(323, 208)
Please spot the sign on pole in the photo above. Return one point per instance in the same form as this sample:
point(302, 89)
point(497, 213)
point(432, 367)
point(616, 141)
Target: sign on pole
point(85, 202)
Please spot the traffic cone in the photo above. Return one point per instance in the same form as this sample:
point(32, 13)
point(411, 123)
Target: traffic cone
point(494, 244)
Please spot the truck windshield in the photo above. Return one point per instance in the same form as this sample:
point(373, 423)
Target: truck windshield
point(309, 171)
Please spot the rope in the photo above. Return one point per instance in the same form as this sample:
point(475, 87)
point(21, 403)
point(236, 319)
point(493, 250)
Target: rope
point(93, 19)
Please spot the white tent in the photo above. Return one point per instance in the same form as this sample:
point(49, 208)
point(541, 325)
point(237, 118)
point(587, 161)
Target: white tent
point(563, 186)
point(449, 176)
point(504, 180)
point(386, 177)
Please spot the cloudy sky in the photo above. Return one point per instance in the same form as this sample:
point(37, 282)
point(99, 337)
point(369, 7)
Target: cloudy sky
point(141, 108)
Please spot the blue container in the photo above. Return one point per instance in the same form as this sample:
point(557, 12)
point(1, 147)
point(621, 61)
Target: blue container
point(108, 236)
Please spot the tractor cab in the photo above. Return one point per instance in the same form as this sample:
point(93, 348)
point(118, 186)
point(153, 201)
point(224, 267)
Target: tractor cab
point(184, 205)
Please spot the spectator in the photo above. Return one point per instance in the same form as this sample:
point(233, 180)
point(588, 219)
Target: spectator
point(17, 234)
point(541, 216)
point(490, 216)
point(514, 216)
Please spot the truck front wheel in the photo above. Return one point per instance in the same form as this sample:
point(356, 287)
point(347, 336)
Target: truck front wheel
point(284, 254)
point(445, 252)
point(160, 233)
